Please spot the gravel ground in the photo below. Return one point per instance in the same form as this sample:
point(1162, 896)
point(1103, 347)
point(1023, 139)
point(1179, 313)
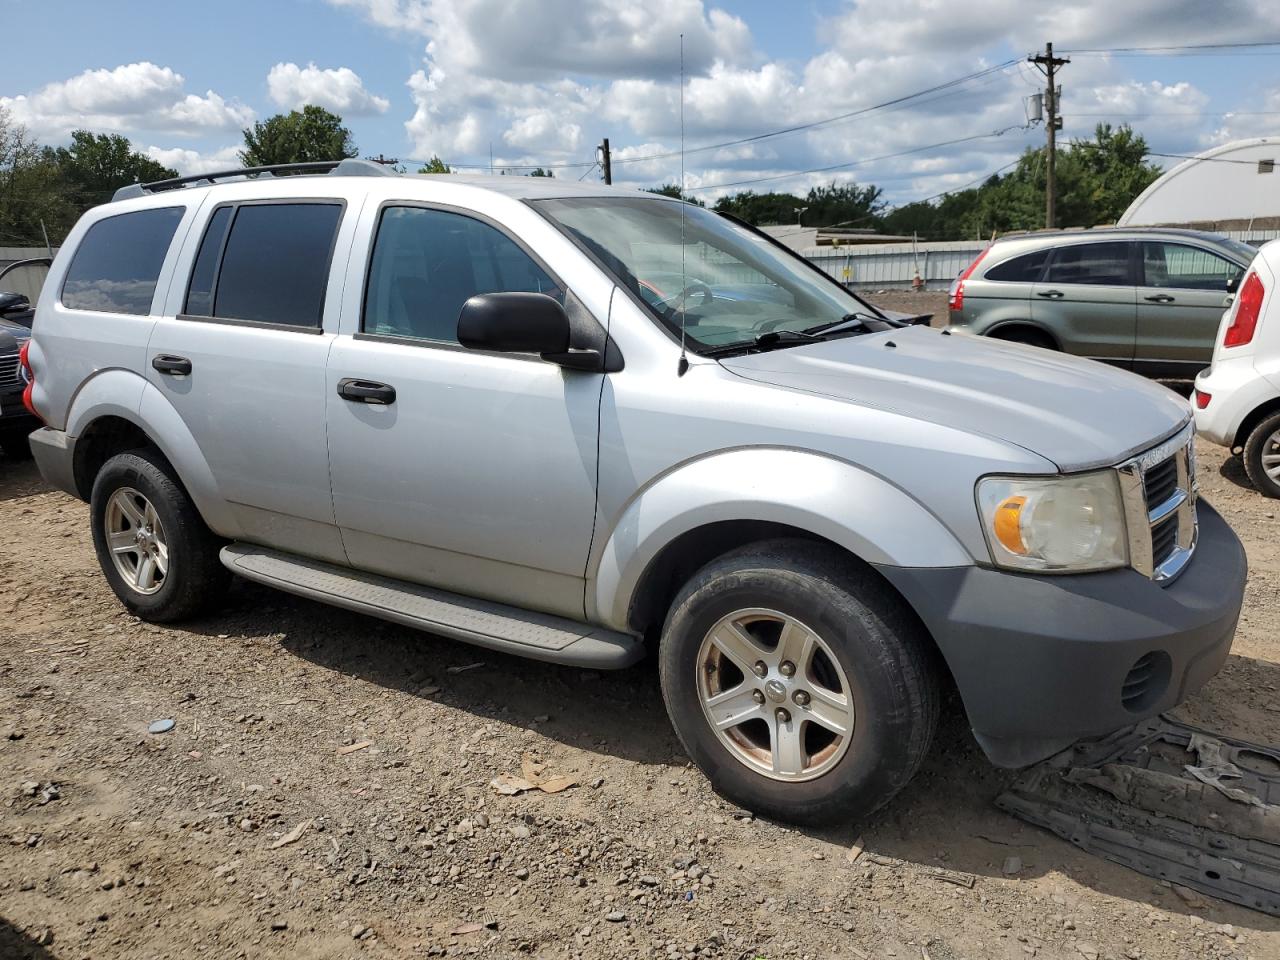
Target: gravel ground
point(326, 792)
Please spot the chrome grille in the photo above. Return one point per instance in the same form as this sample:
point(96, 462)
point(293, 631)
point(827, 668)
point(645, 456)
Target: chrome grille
point(1160, 507)
point(9, 370)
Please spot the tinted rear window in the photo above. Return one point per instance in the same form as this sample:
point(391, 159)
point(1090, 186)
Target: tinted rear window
point(274, 266)
point(1098, 264)
point(116, 266)
point(1023, 269)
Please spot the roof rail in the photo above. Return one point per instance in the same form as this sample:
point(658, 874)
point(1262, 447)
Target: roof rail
point(349, 167)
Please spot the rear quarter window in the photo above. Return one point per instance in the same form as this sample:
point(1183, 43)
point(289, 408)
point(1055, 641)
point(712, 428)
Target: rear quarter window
point(117, 264)
point(1024, 269)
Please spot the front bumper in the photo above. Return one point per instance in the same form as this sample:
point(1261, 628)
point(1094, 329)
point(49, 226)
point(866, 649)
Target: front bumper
point(1043, 661)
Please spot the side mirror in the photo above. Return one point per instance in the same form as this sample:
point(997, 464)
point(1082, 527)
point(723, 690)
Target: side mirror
point(522, 323)
point(13, 302)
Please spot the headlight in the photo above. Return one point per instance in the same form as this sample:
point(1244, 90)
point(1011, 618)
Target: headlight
point(1056, 524)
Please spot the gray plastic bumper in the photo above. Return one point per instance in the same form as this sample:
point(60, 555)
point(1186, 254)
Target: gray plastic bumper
point(1043, 661)
point(54, 451)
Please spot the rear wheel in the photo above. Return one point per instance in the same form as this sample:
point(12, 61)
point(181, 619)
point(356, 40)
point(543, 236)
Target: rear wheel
point(154, 549)
point(1028, 335)
point(799, 682)
point(1262, 456)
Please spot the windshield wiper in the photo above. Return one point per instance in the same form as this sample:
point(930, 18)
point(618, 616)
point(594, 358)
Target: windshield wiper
point(765, 342)
point(850, 321)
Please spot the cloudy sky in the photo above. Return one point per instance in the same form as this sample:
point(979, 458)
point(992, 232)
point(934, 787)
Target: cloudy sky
point(542, 81)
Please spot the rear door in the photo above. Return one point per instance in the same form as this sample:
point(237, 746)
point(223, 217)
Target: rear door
point(1184, 291)
point(1087, 299)
point(241, 356)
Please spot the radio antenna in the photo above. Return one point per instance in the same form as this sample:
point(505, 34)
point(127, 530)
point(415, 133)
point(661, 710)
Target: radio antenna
point(684, 279)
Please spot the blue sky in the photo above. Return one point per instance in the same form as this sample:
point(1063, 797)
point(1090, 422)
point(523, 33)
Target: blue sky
point(541, 81)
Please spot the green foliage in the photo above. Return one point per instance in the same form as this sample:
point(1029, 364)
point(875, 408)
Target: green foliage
point(1097, 179)
point(31, 191)
point(844, 205)
point(300, 136)
point(539, 172)
point(673, 190)
point(435, 165)
point(761, 208)
point(94, 166)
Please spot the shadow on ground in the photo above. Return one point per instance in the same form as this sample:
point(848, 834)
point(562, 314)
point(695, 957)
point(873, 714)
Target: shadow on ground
point(16, 945)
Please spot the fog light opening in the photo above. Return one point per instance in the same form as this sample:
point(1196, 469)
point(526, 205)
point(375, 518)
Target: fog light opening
point(1146, 681)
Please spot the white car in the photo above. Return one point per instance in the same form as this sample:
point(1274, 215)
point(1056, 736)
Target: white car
point(1237, 399)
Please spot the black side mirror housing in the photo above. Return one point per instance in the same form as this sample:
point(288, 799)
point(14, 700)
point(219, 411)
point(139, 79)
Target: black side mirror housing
point(523, 323)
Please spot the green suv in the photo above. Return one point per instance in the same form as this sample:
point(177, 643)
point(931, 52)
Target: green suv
point(1149, 300)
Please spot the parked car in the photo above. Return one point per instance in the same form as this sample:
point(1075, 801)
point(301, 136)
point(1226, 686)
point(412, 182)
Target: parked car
point(447, 401)
point(1237, 399)
point(1143, 299)
point(16, 422)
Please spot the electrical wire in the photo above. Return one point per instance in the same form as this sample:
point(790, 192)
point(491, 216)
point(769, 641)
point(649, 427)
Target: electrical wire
point(1174, 47)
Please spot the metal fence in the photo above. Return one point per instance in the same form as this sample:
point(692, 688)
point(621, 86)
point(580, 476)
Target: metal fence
point(891, 266)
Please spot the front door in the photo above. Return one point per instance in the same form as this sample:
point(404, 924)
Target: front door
point(473, 472)
point(1183, 295)
point(1087, 299)
point(240, 356)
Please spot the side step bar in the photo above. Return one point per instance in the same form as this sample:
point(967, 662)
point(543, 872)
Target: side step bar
point(484, 623)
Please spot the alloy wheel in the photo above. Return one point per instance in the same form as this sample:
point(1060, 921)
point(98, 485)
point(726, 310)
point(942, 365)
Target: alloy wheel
point(136, 540)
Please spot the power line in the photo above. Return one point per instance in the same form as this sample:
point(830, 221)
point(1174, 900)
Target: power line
point(1187, 156)
point(1177, 47)
point(854, 163)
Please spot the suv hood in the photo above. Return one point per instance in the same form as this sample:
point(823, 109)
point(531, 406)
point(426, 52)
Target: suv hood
point(1076, 413)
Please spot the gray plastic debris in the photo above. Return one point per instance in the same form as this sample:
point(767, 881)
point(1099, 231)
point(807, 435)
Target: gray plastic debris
point(160, 726)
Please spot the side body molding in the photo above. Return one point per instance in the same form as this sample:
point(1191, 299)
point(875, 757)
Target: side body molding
point(830, 498)
point(124, 394)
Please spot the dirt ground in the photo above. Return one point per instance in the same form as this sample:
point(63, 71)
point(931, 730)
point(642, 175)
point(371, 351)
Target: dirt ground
point(325, 792)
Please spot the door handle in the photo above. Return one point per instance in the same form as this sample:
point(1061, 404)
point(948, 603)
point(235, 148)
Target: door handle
point(1159, 298)
point(366, 391)
point(1051, 294)
point(174, 366)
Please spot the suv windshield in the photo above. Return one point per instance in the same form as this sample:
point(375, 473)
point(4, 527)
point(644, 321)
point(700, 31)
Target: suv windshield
point(733, 286)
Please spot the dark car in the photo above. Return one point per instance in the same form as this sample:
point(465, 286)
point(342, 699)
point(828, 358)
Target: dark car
point(15, 421)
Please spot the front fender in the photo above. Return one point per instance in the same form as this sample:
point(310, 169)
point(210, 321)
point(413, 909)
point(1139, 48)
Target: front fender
point(123, 394)
point(830, 498)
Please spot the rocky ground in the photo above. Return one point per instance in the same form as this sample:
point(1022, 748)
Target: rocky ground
point(326, 791)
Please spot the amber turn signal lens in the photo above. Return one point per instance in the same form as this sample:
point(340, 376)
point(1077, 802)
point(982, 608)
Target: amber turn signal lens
point(1008, 524)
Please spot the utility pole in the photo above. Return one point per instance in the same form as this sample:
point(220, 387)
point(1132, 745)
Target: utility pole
point(385, 161)
point(1049, 64)
point(605, 163)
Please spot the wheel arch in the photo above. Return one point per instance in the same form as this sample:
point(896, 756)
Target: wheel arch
point(726, 500)
point(1255, 417)
point(1001, 329)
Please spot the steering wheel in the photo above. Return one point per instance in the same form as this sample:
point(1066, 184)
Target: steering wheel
point(697, 288)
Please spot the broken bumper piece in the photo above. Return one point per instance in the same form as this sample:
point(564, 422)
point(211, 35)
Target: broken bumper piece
point(1170, 801)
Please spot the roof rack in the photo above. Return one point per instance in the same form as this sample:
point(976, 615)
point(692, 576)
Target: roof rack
point(349, 167)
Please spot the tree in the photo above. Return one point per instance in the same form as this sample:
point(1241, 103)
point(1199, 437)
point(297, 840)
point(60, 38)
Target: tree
point(435, 165)
point(844, 205)
point(32, 196)
point(94, 166)
point(673, 190)
point(300, 136)
point(539, 172)
point(762, 208)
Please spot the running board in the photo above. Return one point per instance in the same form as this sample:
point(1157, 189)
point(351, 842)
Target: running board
point(540, 636)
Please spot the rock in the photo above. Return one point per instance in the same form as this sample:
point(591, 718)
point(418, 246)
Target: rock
point(279, 925)
point(520, 831)
point(44, 937)
point(1012, 866)
point(1188, 896)
point(1087, 950)
point(359, 932)
point(597, 783)
point(522, 874)
point(160, 726)
point(29, 787)
point(615, 916)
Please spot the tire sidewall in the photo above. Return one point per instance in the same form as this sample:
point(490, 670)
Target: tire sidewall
point(134, 470)
point(1253, 455)
point(874, 766)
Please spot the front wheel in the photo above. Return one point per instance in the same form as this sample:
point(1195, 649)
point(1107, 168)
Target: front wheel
point(1262, 456)
point(799, 682)
point(152, 544)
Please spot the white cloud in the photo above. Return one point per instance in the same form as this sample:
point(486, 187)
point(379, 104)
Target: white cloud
point(188, 162)
point(340, 90)
point(135, 96)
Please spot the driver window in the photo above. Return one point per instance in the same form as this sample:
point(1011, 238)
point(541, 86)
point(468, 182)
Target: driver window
point(427, 263)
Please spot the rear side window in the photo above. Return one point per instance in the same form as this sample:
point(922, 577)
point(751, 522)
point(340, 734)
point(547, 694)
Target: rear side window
point(1024, 269)
point(118, 262)
point(265, 263)
point(427, 263)
point(1098, 264)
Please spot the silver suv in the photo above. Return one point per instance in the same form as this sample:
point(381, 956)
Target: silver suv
point(573, 422)
point(1145, 299)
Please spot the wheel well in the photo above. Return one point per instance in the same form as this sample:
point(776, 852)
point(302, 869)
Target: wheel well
point(1030, 330)
point(100, 441)
point(1252, 420)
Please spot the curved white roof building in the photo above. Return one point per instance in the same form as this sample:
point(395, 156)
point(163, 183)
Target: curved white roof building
point(1238, 181)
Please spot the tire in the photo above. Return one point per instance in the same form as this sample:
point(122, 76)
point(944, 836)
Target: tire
point(1026, 335)
point(881, 649)
point(1264, 441)
point(193, 579)
point(13, 442)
